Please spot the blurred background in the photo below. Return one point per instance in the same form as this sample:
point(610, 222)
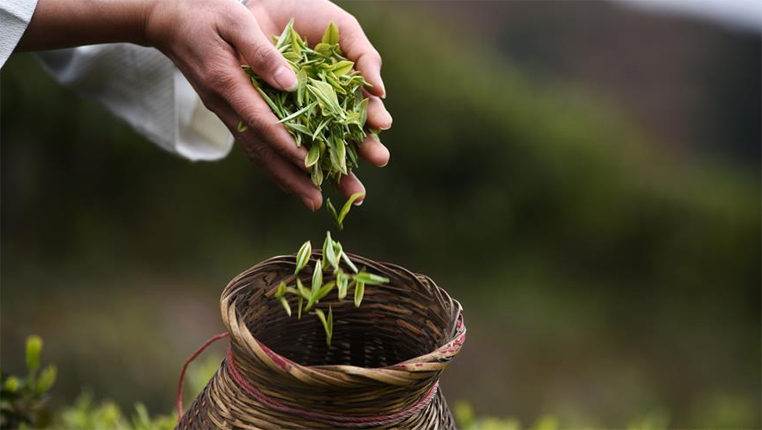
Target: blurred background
point(583, 176)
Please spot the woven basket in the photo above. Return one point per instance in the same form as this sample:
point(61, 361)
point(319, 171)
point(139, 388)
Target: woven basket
point(381, 371)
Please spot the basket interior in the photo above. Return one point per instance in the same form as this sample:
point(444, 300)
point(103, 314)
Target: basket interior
point(394, 323)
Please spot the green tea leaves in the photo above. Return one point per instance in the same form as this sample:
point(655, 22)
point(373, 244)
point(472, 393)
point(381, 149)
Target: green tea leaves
point(313, 155)
point(33, 350)
point(348, 262)
point(348, 205)
point(327, 112)
point(370, 278)
point(359, 292)
point(342, 67)
point(329, 252)
point(281, 290)
point(335, 271)
point(338, 218)
point(327, 323)
point(331, 35)
point(286, 306)
point(303, 256)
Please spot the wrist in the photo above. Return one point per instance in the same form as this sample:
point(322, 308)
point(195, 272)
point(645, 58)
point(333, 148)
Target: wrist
point(68, 23)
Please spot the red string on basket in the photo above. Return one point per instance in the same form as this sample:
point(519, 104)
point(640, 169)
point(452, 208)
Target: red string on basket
point(190, 359)
point(337, 420)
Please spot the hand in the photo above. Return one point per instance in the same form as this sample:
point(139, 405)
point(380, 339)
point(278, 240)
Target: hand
point(208, 39)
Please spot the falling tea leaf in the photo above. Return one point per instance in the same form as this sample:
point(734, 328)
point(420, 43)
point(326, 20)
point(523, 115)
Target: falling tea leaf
point(303, 256)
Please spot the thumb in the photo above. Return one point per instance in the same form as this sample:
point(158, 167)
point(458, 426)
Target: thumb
point(248, 39)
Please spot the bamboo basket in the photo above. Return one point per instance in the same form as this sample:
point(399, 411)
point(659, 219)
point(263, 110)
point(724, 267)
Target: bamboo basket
point(381, 372)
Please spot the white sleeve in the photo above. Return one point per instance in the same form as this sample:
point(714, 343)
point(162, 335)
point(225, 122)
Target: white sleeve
point(14, 17)
point(141, 86)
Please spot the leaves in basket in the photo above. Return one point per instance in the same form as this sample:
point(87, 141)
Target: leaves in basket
point(303, 256)
point(322, 286)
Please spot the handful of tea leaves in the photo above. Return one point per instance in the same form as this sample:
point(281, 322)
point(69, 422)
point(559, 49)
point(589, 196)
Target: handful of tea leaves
point(327, 112)
point(329, 274)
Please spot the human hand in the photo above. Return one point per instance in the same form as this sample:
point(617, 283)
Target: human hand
point(208, 39)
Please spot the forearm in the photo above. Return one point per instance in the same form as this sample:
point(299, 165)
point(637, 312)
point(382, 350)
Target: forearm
point(67, 23)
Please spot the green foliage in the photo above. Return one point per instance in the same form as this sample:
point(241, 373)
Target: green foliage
point(327, 275)
point(467, 420)
point(85, 415)
point(23, 400)
point(327, 112)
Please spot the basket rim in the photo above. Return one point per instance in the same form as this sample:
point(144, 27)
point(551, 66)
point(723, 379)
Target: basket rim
point(393, 374)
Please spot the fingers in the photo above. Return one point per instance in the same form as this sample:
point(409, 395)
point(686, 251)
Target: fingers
point(234, 90)
point(358, 48)
point(244, 33)
point(374, 151)
point(378, 117)
point(350, 185)
point(284, 173)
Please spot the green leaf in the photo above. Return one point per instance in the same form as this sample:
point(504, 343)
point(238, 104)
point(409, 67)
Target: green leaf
point(370, 278)
point(301, 301)
point(362, 108)
point(334, 215)
point(323, 49)
point(303, 291)
point(317, 176)
point(326, 326)
point(12, 384)
point(242, 127)
point(330, 324)
point(286, 306)
point(317, 277)
point(303, 256)
point(338, 155)
point(342, 283)
point(313, 155)
point(46, 380)
point(326, 97)
point(329, 252)
point(285, 36)
point(342, 67)
point(349, 262)
point(347, 206)
point(325, 290)
point(299, 112)
point(331, 35)
point(281, 290)
point(359, 292)
point(33, 350)
point(317, 281)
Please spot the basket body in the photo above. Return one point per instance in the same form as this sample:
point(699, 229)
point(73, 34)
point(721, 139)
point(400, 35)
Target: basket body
point(381, 371)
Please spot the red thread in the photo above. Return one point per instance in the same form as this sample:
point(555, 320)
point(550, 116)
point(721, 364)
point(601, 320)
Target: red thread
point(336, 420)
point(198, 352)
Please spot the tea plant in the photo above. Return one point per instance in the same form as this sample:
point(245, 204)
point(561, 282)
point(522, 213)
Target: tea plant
point(335, 264)
point(23, 400)
point(327, 112)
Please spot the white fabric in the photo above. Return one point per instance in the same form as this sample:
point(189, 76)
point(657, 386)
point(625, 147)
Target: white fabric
point(142, 86)
point(14, 17)
point(138, 84)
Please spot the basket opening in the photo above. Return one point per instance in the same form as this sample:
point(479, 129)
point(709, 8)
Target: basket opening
point(391, 325)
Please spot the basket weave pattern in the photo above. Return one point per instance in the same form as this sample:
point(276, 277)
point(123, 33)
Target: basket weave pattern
point(381, 371)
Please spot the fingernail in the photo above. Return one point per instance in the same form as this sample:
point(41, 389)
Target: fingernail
point(388, 122)
point(359, 202)
point(286, 78)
